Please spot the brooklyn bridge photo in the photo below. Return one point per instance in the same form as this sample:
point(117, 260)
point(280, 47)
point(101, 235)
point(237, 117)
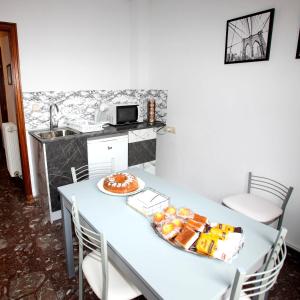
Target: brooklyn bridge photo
point(248, 38)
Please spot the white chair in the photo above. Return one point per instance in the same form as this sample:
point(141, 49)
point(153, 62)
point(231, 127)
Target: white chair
point(102, 276)
point(91, 171)
point(260, 283)
point(257, 207)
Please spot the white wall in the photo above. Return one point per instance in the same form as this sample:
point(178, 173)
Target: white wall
point(140, 43)
point(229, 118)
point(71, 44)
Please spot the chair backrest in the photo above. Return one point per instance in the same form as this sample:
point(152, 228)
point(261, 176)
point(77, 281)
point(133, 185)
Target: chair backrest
point(91, 171)
point(271, 186)
point(259, 283)
point(94, 241)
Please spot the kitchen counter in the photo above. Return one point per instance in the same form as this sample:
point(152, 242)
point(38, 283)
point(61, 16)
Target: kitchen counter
point(106, 132)
point(55, 156)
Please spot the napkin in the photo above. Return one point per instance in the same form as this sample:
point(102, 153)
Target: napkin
point(148, 201)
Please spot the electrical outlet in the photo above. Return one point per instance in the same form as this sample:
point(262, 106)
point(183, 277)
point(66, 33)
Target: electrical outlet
point(170, 129)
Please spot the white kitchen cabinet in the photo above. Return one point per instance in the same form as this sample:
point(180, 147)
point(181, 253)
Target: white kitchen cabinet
point(102, 150)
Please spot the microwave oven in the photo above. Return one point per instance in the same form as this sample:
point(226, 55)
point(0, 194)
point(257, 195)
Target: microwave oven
point(120, 114)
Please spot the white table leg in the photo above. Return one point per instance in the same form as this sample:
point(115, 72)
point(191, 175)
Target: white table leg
point(67, 225)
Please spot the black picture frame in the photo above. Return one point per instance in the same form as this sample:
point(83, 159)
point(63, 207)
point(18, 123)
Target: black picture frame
point(248, 38)
point(9, 74)
point(298, 47)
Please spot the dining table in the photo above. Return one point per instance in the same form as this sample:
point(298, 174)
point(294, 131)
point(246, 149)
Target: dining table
point(157, 268)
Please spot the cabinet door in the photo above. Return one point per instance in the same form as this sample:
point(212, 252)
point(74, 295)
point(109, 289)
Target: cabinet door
point(105, 150)
point(141, 152)
point(142, 146)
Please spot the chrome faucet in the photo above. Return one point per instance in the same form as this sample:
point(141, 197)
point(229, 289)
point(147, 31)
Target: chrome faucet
point(54, 105)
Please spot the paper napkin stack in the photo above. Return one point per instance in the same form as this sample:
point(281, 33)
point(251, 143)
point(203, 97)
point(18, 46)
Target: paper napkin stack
point(148, 201)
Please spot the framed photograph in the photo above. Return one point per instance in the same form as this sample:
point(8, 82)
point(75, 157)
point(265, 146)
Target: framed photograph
point(298, 47)
point(9, 75)
point(248, 38)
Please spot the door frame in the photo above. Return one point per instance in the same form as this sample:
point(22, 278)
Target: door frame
point(11, 29)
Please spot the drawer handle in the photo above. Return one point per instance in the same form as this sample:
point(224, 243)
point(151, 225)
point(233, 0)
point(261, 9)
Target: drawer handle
point(109, 147)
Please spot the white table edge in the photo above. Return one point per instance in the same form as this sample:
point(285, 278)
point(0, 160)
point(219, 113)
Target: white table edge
point(115, 258)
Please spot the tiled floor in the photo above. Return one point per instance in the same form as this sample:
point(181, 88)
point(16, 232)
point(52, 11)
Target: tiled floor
point(32, 264)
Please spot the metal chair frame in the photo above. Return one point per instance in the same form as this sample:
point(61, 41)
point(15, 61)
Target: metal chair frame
point(95, 242)
point(265, 279)
point(90, 171)
point(273, 187)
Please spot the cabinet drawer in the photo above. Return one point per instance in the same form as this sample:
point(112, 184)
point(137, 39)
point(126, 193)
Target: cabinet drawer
point(141, 135)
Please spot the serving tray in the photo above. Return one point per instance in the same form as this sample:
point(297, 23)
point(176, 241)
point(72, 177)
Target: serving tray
point(192, 249)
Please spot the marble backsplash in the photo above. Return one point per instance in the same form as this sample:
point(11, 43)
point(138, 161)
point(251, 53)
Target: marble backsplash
point(77, 105)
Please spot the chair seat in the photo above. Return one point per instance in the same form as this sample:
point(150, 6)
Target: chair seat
point(255, 207)
point(118, 287)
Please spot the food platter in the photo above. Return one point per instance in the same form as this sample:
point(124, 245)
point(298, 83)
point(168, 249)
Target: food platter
point(193, 249)
point(141, 184)
point(190, 232)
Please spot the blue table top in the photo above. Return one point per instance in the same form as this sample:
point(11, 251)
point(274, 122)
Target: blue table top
point(172, 273)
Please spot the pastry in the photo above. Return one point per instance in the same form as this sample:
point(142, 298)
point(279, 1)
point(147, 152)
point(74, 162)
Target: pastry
point(186, 238)
point(199, 218)
point(158, 217)
point(169, 230)
point(198, 226)
point(170, 211)
point(177, 222)
point(184, 213)
point(207, 244)
point(228, 228)
point(121, 183)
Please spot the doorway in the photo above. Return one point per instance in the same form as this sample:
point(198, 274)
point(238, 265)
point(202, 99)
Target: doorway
point(3, 107)
point(15, 81)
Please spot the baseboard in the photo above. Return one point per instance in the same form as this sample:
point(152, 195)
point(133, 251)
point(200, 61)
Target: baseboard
point(294, 247)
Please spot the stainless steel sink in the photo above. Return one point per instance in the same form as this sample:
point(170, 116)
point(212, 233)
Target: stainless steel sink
point(56, 133)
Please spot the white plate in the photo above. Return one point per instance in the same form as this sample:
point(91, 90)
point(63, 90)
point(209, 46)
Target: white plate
point(103, 190)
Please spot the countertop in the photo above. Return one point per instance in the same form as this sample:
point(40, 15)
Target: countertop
point(106, 132)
